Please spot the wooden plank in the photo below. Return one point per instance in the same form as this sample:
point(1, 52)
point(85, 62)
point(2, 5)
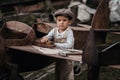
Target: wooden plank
point(115, 66)
point(101, 20)
point(107, 30)
point(57, 56)
point(116, 33)
point(60, 60)
point(80, 29)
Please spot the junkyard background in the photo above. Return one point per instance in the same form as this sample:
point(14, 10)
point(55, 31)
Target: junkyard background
point(32, 11)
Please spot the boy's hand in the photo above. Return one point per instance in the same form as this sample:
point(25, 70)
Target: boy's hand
point(44, 40)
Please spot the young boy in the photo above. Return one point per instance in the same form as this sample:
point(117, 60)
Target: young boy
point(62, 34)
point(63, 38)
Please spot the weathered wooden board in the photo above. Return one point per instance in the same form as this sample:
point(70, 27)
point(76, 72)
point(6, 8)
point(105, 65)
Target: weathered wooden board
point(101, 20)
point(57, 56)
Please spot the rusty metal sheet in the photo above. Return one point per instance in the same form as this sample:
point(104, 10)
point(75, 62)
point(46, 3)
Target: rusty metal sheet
point(101, 20)
point(17, 33)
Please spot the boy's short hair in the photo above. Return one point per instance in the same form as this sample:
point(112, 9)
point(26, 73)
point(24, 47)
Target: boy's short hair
point(64, 12)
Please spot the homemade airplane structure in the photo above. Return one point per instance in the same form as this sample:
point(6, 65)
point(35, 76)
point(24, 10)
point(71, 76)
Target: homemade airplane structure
point(20, 53)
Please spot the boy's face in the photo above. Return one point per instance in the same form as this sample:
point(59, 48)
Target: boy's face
point(62, 22)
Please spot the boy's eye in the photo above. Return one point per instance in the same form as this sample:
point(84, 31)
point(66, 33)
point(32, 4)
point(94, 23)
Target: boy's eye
point(62, 20)
point(59, 20)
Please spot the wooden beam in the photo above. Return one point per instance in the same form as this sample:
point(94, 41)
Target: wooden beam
point(115, 66)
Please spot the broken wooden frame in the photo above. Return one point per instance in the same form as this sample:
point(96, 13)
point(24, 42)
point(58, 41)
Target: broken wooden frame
point(92, 56)
point(17, 33)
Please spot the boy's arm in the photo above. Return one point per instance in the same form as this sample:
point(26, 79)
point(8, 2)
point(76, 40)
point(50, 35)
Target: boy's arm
point(49, 36)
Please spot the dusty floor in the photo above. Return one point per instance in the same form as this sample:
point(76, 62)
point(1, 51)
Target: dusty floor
point(106, 73)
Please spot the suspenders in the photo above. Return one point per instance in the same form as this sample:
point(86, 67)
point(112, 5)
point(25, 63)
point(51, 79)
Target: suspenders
point(60, 40)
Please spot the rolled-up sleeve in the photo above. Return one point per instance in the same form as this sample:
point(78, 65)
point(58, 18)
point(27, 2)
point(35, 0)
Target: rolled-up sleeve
point(50, 35)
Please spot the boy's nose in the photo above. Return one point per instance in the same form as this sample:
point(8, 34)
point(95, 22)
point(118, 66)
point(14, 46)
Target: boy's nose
point(61, 22)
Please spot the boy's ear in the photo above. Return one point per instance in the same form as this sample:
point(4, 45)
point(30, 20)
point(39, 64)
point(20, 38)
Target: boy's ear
point(70, 22)
point(55, 19)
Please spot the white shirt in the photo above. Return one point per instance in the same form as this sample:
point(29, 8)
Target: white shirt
point(69, 37)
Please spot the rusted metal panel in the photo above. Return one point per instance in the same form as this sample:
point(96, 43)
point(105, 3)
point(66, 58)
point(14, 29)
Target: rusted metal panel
point(101, 20)
point(17, 33)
